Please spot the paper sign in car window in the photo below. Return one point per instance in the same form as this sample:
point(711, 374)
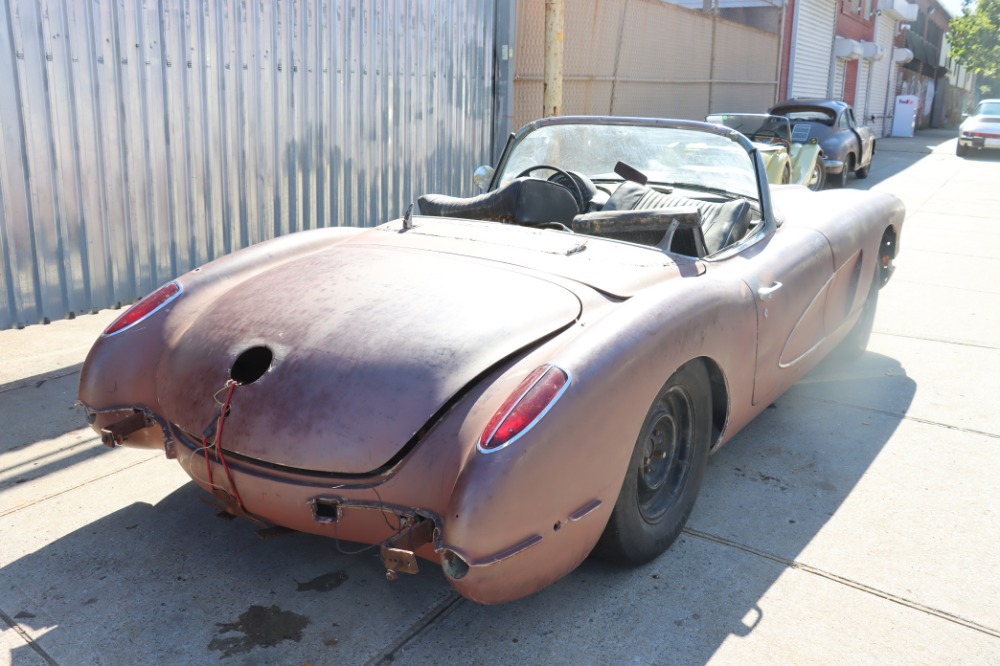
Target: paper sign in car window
point(800, 133)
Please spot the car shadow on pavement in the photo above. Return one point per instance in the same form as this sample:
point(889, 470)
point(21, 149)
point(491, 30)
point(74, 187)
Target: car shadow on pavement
point(175, 583)
point(766, 496)
point(44, 431)
point(982, 156)
point(171, 582)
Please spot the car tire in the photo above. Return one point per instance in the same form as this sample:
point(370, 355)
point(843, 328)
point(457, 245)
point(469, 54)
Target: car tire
point(840, 179)
point(856, 342)
point(664, 472)
point(786, 175)
point(961, 150)
point(818, 178)
point(862, 172)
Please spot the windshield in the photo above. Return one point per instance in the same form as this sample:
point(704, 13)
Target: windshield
point(987, 109)
point(812, 115)
point(755, 126)
point(666, 155)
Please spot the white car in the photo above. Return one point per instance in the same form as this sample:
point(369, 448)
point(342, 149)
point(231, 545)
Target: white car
point(981, 129)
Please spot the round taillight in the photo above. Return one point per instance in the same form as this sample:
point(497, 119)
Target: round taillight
point(145, 307)
point(524, 407)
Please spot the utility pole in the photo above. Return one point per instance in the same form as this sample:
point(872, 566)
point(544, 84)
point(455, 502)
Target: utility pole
point(552, 99)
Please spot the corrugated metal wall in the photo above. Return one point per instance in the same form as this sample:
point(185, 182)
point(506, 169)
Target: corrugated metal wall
point(139, 139)
point(646, 58)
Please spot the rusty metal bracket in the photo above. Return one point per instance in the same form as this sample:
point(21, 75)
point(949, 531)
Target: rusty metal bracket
point(398, 551)
point(118, 432)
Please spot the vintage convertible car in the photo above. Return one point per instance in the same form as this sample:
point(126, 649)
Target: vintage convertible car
point(848, 146)
point(785, 160)
point(507, 382)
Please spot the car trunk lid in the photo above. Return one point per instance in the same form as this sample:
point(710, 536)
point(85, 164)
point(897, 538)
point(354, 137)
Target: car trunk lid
point(364, 345)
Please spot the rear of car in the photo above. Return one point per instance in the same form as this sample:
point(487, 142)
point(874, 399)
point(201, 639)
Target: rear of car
point(981, 129)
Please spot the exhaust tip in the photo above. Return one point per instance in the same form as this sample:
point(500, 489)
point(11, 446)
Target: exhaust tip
point(453, 564)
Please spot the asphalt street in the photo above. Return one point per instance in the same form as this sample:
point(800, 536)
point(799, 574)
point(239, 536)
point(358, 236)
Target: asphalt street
point(855, 522)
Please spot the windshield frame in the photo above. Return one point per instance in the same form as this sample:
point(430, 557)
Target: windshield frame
point(769, 224)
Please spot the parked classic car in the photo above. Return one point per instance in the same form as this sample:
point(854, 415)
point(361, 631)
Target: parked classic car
point(981, 129)
point(786, 161)
point(847, 146)
point(507, 382)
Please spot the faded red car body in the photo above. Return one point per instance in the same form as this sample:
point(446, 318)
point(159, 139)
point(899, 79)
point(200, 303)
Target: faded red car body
point(371, 362)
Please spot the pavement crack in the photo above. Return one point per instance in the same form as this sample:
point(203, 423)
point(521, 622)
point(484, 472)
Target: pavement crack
point(888, 596)
point(959, 343)
point(896, 415)
point(32, 381)
point(26, 637)
point(22, 507)
point(432, 617)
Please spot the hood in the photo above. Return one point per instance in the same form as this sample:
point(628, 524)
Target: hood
point(365, 344)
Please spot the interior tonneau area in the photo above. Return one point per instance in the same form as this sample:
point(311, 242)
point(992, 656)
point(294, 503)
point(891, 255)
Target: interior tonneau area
point(634, 213)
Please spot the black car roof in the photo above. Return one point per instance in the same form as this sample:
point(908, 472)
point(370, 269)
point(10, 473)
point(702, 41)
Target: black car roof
point(829, 104)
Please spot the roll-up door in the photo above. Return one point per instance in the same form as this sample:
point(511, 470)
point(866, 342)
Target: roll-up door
point(812, 48)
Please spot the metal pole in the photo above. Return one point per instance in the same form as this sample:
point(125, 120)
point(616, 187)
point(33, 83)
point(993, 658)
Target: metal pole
point(552, 99)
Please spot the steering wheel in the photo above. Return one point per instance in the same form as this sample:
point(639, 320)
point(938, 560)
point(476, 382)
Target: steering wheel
point(766, 136)
point(563, 178)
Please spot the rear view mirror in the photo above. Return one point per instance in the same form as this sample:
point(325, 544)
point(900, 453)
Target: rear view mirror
point(482, 176)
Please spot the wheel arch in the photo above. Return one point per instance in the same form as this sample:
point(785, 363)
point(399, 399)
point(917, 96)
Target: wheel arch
point(888, 249)
point(720, 399)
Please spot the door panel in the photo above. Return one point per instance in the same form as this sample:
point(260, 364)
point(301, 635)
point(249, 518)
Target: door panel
point(788, 276)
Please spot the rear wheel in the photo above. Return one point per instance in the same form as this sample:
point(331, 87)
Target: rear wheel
point(961, 150)
point(664, 472)
point(817, 179)
point(786, 175)
point(840, 180)
point(862, 172)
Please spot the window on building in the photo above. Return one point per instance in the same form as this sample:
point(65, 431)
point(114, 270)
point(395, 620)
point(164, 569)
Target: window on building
point(860, 8)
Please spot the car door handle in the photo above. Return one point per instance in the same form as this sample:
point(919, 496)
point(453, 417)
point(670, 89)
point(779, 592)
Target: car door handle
point(766, 292)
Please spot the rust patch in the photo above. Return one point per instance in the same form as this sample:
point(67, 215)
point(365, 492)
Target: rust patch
point(324, 583)
point(261, 627)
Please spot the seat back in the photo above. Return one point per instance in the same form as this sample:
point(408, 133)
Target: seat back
point(524, 201)
point(722, 223)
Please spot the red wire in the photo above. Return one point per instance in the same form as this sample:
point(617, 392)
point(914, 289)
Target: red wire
point(218, 445)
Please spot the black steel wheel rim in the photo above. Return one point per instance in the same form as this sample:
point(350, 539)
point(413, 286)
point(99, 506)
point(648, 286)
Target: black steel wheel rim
point(668, 446)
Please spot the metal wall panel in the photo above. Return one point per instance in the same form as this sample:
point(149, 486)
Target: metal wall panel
point(646, 58)
point(746, 68)
point(141, 138)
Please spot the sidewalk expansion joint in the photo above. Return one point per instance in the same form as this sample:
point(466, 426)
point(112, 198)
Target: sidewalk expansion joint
point(898, 415)
point(960, 343)
point(438, 613)
point(13, 624)
point(21, 507)
point(38, 380)
point(805, 568)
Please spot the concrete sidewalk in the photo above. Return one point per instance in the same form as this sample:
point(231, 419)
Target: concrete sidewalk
point(856, 522)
